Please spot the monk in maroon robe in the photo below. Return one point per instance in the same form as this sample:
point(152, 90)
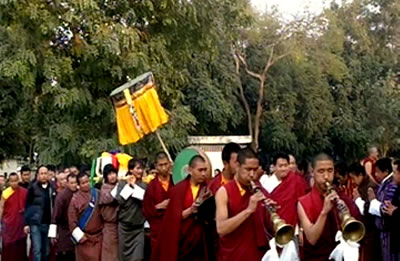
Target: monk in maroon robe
point(318, 214)
point(182, 236)
point(109, 210)
point(286, 196)
point(12, 206)
point(369, 163)
point(285, 187)
point(242, 220)
point(59, 229)
point(157, 195)
point(89, 237)
point(229, 159)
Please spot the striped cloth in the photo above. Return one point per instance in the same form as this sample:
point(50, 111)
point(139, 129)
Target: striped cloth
point(385, 192)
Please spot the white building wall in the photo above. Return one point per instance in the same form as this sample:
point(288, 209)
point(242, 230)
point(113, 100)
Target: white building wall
point(9, 166)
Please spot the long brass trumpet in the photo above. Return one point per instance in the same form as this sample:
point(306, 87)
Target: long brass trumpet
point(284, 233)
point(352, 229)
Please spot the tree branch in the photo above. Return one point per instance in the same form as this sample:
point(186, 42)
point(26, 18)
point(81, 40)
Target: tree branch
point(246, 67)
point(237, 62)
point(280, 57)
point(242, 96)
point(269, 62)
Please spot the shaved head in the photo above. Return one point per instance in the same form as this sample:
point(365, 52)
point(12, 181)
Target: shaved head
point(321, 157)
point(195, 160)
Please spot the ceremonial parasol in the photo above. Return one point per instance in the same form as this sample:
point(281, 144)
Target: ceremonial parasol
point(181, 163)
point(138, 110)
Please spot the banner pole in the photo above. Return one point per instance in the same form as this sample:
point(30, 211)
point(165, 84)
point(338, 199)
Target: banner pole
point(163, 145)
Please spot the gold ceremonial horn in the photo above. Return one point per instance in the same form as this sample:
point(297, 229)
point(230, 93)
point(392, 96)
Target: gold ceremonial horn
point(284, 232)
point(352, 229)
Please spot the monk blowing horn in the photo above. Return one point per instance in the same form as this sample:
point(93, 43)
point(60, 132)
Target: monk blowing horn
point(352, 229)
point(284, 233)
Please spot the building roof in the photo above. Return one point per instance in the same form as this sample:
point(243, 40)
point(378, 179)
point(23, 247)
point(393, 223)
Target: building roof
point(218, 140)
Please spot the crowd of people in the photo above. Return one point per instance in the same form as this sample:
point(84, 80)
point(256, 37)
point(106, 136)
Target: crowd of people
point(226, 217)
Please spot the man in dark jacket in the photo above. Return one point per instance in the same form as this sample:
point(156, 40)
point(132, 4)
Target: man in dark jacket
point(38, 212)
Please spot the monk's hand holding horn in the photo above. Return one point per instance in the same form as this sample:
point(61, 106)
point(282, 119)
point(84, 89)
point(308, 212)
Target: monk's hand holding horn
point(195, 207)
point(271, 203)
point(254, 199)
point(328, 203)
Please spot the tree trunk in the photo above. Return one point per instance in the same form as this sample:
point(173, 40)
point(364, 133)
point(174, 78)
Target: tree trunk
point(255, 133)
point(257, 119)
point(247, 109)
point(242, 97)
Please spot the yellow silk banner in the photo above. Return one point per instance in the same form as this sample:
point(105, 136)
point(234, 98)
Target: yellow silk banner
point(140, 114)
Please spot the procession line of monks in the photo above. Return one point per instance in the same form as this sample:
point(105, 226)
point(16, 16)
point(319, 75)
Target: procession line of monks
point(196, 219)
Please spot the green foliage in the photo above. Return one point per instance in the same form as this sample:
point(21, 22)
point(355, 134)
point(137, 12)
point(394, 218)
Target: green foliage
point(332, 94)
point(64, 58)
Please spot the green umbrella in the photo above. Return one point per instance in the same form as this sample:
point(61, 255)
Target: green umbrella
point(181, 163)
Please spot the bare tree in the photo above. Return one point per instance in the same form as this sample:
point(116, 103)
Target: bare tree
point(240, 60)
point(277, 38)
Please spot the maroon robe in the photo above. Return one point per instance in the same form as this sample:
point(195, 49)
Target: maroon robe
point(373, 163)
point(154, 195)
point(181, 239)
point(214, 186)
point(60, 218)
point(14, 238)
point(109, 210)
point(312, 204)
point(215, 183)
point(250, 240)
point(286, 196)
point(90, 250)
point(305, 179)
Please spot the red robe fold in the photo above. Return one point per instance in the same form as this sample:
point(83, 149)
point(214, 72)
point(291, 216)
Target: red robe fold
point(312, 204)
point(373, 163)
point(180, 239)
point(287, 195)
point(215, 183)
point(348, 188)
point(154, 195)
point(304, 180)
point(250, 240)
point(14, 238)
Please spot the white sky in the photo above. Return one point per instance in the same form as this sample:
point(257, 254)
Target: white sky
point(291, 7)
